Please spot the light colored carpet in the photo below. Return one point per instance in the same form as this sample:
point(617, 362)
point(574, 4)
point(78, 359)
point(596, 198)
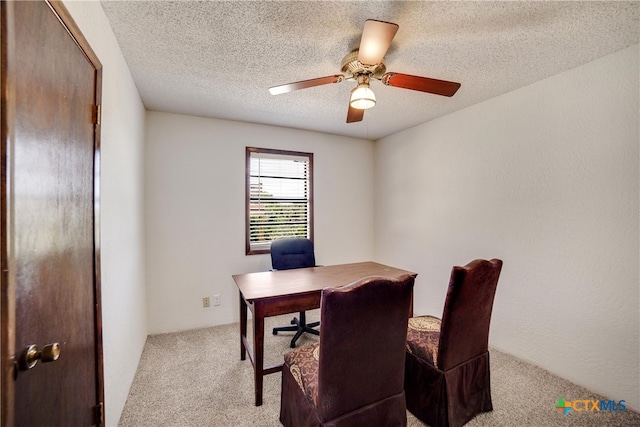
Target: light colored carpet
point(196, 378)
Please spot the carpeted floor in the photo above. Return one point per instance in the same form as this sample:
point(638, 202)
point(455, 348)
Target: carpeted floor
point(196, 378)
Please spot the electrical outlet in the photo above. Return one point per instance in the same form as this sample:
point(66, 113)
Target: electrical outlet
point(216, 299)
point(205, 302)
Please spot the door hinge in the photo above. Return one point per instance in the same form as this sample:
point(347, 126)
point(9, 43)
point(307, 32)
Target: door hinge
point(96, 113)
point(98, 414)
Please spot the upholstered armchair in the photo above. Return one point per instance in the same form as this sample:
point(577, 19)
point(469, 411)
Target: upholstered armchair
point(354, 375)
point(286, 254)
point(447, 379)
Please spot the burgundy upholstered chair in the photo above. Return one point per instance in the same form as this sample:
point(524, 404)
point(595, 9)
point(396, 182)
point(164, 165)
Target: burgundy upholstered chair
point(354, 375)
point(447, 361)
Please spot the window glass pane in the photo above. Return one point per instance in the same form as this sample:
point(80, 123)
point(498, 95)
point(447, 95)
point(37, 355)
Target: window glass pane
point(279, 197)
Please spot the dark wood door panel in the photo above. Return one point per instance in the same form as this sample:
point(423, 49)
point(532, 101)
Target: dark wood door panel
point(52, 230)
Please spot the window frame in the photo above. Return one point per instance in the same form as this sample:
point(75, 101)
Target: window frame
point(249, 150)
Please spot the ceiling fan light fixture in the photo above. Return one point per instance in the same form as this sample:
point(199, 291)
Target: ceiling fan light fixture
point(366, 63)
point(362, 97)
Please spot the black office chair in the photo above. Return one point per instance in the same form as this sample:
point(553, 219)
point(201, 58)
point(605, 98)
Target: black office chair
point(287, 254)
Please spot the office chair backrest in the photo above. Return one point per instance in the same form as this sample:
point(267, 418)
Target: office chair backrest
point(292, 253)
point(464, 332)
point(363, 339)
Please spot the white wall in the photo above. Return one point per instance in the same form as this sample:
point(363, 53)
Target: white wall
point(195, 201)
point(124, 319)
point(547, 179)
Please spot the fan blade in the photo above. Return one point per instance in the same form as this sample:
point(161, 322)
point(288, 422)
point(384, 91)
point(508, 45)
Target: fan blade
point(422, 84)
point(290, 87)
point(354, 115)
point(375, 41)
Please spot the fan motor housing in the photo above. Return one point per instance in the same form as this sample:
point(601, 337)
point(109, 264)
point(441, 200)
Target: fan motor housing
point(351, 65)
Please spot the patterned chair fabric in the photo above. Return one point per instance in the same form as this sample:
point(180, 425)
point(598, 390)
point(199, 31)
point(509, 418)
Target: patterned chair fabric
point(447, 380)
point(422, 338)
point(303, 366)
point(354, 376)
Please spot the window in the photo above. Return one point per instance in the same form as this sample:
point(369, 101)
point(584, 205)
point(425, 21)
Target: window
point(279, 197)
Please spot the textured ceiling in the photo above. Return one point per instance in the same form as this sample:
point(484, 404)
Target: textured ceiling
point(218, 58)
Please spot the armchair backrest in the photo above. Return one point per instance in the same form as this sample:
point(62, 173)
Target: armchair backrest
point(464, 331)
point(362, 343)
point(292, 253)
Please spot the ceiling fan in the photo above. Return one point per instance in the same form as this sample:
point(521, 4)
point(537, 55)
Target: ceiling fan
point(366, 63)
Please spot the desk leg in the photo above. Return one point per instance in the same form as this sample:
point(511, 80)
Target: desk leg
point(243, 327)
point(258, 349)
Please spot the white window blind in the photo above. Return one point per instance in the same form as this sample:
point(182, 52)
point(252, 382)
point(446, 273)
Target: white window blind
point(279, 197)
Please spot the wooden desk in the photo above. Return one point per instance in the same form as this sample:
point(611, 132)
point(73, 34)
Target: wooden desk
point(272, 293)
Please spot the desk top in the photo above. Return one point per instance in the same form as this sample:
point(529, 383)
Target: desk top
point(269, 284)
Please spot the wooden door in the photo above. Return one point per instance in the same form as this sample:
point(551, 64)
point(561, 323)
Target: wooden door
point(50, 264)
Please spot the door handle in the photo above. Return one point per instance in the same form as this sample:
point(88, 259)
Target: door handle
point(31, 355)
